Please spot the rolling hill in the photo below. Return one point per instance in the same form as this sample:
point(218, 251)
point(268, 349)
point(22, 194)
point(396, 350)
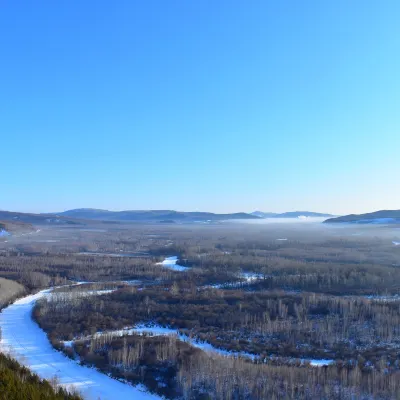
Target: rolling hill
point(290, 214)
point(35, 219)
point(151, 215)
point(377, 217)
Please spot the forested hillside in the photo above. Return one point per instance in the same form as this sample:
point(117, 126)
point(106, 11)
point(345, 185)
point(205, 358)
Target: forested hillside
point(8, 291)
point(18, 383)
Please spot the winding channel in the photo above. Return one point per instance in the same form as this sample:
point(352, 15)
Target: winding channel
point(24, 340)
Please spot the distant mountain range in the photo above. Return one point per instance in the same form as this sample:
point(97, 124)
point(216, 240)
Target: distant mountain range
point(377, 217)
point(290, 214)
point(82, 216)
point(151, 215)
point(36, 219)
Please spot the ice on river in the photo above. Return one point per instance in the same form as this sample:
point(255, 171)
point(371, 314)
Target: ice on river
point(25, 341)
point(156, 330)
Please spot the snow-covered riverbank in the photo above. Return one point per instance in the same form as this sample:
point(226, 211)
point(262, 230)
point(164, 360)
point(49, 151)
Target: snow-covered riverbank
point(156, 330)
point(25, 341)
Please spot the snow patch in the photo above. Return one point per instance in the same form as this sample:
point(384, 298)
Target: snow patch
point(320, 363)
point(171, 263)
point(4, 233)
point(251, 276)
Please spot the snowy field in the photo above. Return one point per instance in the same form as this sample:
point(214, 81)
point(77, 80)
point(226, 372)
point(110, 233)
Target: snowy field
point(25, 341)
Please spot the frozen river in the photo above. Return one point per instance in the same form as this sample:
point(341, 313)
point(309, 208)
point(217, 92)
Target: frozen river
point(25, 341)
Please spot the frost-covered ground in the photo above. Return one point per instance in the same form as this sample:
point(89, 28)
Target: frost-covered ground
point(24, 340)
point(171, 263)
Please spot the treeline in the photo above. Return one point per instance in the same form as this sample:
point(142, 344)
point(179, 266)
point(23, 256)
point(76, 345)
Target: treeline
point(18, 383)
point(216, 256)
point(174, 369)
point(278, 272)
point(44, 270)
point(308, 301)
point(302, 325)
point(9, 290)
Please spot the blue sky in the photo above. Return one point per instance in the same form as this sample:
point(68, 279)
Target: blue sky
point(200, 105)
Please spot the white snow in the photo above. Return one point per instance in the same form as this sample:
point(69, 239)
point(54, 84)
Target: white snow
point(25, 341)
point(133, 282)
point(156, 330)
point(4, 233)
point(251, 276)
point(320, 363)
point(384, 298)
point(282, 239)
point(171, 263)
point(396, 243)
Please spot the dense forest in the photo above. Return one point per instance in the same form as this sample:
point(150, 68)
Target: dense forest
point(18, 383)
point(303, 325)
point(9, 290)
point(172, 368)
point(268, 305)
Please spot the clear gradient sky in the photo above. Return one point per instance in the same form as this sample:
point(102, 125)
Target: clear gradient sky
point(212, 105)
